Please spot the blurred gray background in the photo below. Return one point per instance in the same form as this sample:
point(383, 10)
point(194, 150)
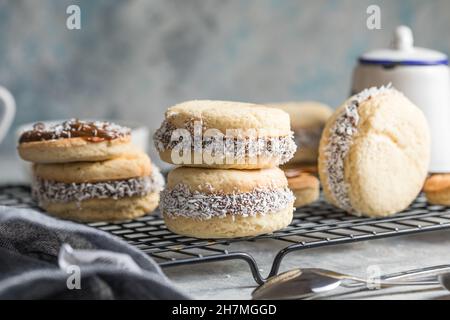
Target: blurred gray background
point(132, 59)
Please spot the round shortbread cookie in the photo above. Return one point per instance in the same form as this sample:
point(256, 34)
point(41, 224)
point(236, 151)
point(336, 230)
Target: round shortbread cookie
point(226, 181)
point(374, 153)
point(224, 115)
point(229, 226)
point(305, 114)
point(437, 189)
point(104, 209)
point(132, 165)
point(74, 141)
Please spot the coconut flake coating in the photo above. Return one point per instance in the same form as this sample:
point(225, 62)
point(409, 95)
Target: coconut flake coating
point(52, 191)
point(181, 201)
point(339, 143)
point(280, 147)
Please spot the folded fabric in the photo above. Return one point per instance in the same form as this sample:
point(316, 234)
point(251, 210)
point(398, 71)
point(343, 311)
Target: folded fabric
point(46, 258)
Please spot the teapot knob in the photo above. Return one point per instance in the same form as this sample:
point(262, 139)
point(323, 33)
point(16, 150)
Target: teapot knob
point(403, 38)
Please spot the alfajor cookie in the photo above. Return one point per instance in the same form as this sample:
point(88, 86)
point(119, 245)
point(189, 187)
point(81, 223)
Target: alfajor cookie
point(74, 141)
point(118, 189)
point(217, 203)
point(306, 188)
point(437, 189)
point(374, 153)
point(224, 134)
point(308, 118)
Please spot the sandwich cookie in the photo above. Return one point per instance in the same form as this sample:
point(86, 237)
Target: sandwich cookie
point(437, 189)
point(374, 153)
point(74, 141)
point(224, 134)
point(308, 119)
point(217, 203)
point(118, 189)
point(306, 188)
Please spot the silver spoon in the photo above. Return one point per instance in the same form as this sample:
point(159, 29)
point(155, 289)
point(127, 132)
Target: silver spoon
point(444, 280)
point(301, 283)
point(295, 284)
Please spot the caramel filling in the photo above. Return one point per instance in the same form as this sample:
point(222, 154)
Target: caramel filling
point(96, 131)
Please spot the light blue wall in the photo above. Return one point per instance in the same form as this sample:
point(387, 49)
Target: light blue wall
point(132, 59)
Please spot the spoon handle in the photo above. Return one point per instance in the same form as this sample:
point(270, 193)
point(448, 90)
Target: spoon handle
point(417, 273)
point(388, 284)
point(408, 276)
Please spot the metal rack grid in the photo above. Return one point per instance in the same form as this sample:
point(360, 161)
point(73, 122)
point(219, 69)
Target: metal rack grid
point(313, 226)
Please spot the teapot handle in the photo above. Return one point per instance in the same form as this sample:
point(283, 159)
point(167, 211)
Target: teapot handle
point(8, 112)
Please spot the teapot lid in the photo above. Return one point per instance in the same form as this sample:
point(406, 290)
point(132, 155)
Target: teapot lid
point(403, 52)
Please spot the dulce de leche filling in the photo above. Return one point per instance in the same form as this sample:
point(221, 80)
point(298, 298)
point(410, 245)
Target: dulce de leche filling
point(93, 131)
point(181, 201)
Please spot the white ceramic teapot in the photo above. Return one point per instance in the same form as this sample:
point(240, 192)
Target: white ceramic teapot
point(423, 76)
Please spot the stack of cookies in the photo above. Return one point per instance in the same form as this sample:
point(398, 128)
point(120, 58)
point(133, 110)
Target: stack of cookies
point(308, 119)
point(90, 171)
point(228, 184)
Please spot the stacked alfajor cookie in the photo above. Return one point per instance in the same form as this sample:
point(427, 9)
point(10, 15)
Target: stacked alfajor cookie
point(308, 119)
point(228, 184)
point(90, 171)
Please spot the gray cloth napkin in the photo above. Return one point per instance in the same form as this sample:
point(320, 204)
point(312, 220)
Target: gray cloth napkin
point(45, 258)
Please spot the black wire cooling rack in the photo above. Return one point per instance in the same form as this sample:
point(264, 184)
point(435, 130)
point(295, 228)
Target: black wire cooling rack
point(313, 226)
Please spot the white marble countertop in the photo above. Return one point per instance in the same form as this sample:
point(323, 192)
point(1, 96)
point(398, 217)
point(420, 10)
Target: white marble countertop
point(233, 280)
